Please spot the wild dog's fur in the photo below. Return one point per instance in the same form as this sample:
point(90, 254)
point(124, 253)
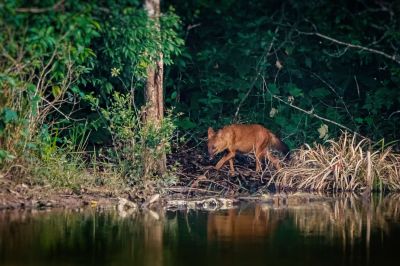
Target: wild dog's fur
point(244, 138)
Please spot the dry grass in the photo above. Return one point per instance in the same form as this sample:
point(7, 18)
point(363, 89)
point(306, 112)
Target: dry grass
point(350, 164)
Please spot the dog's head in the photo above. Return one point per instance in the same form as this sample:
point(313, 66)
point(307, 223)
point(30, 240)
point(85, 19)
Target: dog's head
point(216, 143)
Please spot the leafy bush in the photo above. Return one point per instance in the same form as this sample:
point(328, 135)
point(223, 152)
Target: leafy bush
point(134, 141)
point(59, 66)
point(42, 57)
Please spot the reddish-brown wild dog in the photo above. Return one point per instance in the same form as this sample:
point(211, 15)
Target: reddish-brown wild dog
point(244, 138)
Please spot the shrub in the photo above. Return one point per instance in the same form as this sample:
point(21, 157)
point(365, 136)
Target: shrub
point(136, 144)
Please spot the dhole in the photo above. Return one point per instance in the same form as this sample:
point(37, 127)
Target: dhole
point(244, 138)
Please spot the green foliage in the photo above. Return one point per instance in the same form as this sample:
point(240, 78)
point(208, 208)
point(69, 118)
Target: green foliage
point(265, 54)
point(134, 141)
point(42, 55)
point(5, 156)
point(59, 65)
point(128, 45)
point(57, 162)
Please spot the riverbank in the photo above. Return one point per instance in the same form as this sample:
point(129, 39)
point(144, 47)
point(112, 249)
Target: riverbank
point(15, 196)
point(22, 196)
point(348, 165)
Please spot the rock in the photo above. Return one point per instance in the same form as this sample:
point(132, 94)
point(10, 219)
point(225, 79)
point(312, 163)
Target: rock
point(124, 204)
point(153, 199)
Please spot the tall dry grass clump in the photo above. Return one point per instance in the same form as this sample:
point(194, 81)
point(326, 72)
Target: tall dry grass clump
point(349, 164)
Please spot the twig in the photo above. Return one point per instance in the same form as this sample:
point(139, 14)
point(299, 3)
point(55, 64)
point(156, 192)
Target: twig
point(14, 166)
point(185, 189)
point(394, 57)
point(311, 112)
point(257, 75)
point(335, 92)
point(37, 10)
point(395, 112)
point(59, 111)
point(358, 87)
point(190, 27)
point(213, 182)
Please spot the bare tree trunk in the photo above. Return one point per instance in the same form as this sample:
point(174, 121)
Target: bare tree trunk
point(154, 92)
point(154, 96)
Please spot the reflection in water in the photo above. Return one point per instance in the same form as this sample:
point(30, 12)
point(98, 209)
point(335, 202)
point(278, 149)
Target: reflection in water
point(347, 218)
point(237, 225)
point(342, 230)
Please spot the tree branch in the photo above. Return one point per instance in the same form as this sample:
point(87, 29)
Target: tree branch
point(394, 57)
point(256, 77)
point(56, 7)
point(311, 112)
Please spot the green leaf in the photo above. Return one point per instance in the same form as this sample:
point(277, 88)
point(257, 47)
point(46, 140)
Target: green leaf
point(34, 104)
point(173, 95)
point(108, 88)
point(31, 88)
point(273, 88)
point(295, 91)
point(185, 123)
point(6, 156)
point(56, 91)
point(281, 120)
point(359, 120)
point(319, 93)
point(9, 115)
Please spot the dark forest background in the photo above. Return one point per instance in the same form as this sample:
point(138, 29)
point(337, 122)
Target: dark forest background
point(250, 61)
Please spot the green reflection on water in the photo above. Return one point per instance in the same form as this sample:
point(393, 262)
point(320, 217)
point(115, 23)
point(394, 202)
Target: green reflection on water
point(340, 231)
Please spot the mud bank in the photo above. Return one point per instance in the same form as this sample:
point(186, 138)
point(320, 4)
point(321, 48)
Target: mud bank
point(23, 196)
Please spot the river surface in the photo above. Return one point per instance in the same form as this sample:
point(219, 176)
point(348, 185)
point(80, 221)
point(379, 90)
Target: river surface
point(342, 231)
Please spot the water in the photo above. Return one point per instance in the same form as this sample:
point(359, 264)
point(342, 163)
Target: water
point(344, 231)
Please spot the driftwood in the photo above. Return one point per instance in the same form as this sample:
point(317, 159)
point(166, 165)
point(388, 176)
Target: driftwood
point(206, 204)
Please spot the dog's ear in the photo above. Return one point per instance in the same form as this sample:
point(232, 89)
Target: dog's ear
point(211, 132)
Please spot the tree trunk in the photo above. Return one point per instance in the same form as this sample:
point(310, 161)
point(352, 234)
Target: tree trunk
point(154, 90)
